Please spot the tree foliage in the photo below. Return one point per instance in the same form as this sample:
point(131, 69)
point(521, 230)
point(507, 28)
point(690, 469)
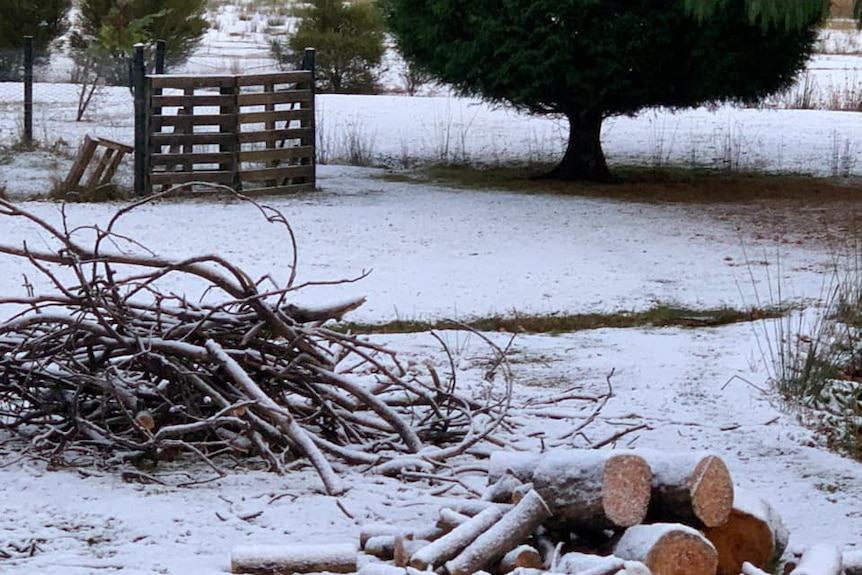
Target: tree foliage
point(108, 30)
point(45, 20)
point(590, 59)
point(348, 42)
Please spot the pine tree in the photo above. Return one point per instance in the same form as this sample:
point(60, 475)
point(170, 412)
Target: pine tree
point(45, 20)
point(348, 42)
point(108, 30)
point(587, 60)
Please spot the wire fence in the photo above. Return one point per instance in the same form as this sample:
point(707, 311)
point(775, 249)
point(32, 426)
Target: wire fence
point(48, 101)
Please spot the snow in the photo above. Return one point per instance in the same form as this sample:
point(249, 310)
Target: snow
point(437, 252)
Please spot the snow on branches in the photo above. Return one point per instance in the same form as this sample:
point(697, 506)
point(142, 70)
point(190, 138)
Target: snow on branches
point(112, 363)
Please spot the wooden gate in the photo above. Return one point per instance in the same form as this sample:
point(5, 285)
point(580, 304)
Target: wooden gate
point(254, 133)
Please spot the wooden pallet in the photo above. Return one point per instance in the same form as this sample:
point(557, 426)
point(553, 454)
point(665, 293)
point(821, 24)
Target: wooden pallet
point(105, 154)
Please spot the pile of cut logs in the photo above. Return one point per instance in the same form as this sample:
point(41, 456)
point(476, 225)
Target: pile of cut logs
point(578, 512)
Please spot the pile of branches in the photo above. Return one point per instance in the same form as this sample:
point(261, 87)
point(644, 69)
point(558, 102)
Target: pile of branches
point(112, 363)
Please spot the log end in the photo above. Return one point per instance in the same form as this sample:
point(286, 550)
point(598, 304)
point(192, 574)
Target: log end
point(682, 553)
point(626, 487)
point(711, 491)
point(742, 539)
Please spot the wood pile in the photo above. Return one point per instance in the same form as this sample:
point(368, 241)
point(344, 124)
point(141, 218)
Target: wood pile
point(584, 512)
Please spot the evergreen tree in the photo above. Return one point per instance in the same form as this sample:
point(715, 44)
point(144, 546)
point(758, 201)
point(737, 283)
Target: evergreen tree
point(587, 60)
point(108, 30)
point(348, 42)
point(45, 20)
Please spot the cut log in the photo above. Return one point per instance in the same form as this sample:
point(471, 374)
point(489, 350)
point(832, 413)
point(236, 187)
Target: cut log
point(405, 548)
point(382, 547)
point(753, 533)
point(371, 530)
point(438, 552)
point(594, 490)
point(690, 488)
point(820, 559)
point(520, 556)
point(501, 490)
point(587, 564)
point(512, 529)
point(852, 562)
point(668, 549)
point(520, 464)
point(449, 519)
point(287, 559)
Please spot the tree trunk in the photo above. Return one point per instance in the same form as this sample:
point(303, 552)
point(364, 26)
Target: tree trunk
point(277, 559)
point(584, 158)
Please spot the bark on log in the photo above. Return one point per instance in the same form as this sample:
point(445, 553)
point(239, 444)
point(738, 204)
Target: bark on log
point(594, 490)
point(382, 547)
point(438, 552)
point(690, 488)
point(513, 528)
point(587, 564)
point(287, 559)
point(753, 533)
point(668, 549)
point(371, 530)
point(518, 464)
point(450, 519)
point(520, 556)
point(405, 549)
point(501, 491)
point(820, 559)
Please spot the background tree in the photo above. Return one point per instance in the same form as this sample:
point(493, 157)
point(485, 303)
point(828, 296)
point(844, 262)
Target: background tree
point(348, 38)
point(587, 60)
point(108, 29)
point(45, 20)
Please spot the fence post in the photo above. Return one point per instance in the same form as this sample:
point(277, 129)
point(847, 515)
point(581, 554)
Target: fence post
point(309, 64)
point(139, 83)
point(28, 90)
point(161, 48)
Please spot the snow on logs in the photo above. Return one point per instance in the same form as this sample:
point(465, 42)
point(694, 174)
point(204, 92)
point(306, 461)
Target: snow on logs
point(585, 489)
point(753, 534)
point(578, 512)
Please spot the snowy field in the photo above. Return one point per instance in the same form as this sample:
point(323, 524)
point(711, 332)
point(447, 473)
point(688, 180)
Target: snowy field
point(436, 252)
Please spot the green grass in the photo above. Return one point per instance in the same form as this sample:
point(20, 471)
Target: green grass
point(657, 316)
point(640, 183)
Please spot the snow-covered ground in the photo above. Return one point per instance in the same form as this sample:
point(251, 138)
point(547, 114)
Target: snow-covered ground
point(438, 252)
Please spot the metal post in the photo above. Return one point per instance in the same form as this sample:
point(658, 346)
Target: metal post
point(28, 90)
point(139, 84)
point(161, 48)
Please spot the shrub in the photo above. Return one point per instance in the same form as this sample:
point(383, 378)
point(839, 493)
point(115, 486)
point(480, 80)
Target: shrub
point(45, 20)
point(348, 38)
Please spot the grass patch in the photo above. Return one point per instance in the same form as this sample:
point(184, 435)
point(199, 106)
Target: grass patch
point(656, 316)
point(666, 184)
